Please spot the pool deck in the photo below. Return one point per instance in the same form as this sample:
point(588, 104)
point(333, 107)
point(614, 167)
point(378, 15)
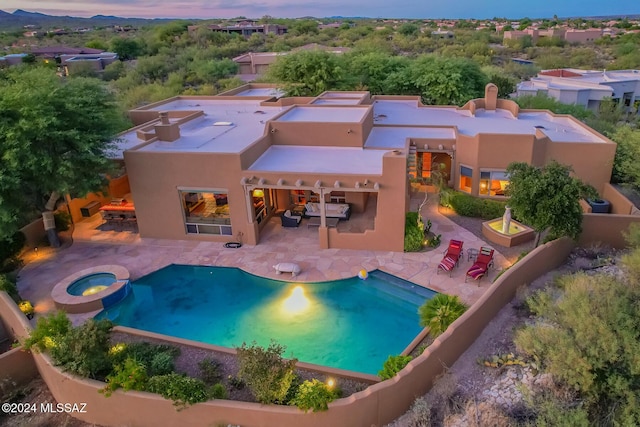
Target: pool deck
point(142, 256)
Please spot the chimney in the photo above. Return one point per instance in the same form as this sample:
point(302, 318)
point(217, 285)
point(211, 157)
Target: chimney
point(165, 130)
point(164, 117)
point(490, 97)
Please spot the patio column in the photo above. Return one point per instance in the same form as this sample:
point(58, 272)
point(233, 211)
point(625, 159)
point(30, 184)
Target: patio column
point(323, 210)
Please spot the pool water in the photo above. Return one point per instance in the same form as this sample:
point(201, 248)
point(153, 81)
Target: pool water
point(350, 324)
point(91, 284)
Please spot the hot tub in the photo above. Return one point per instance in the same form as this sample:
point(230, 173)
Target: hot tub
point(92, 289)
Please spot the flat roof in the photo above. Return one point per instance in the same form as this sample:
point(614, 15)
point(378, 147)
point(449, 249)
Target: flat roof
point(304, 159)
point(408, 112)
point(336, 101)
point(324, 114)
point(393, 137)
point(246, 123)
point(266, 91)
point(336, 94)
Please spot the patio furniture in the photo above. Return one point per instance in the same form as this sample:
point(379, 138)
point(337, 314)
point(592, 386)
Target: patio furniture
point(315, 222)
point(472, 254)
point(451, 257)
point(290, 220)
point(332, 210)
point(480, 268)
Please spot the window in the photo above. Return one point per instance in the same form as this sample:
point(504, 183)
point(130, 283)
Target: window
point(206, 212)
point(493, 183)
point(337, 197)
point(466, 177)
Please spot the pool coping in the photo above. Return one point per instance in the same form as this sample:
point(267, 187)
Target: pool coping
point(75, 304)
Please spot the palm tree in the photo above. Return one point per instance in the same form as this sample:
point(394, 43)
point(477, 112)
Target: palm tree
point(439, 312)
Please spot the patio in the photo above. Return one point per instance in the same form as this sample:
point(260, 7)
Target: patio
point(142, 256)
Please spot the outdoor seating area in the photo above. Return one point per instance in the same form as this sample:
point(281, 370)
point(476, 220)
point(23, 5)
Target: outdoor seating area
point(451, 257)
point(120, 215)
point(483, 262)
point(289, 219)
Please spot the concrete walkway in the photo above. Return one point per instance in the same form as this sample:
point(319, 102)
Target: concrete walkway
point(142, 256)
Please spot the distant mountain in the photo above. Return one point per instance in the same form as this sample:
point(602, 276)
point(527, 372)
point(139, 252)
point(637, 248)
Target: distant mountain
point(20, 18)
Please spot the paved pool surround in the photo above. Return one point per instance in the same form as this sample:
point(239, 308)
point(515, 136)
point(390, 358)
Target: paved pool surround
point(75, 304)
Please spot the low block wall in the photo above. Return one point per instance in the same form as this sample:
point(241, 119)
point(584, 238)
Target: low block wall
point(34, 233)
point(606, 229)
point(17, 365)
point(375, 406)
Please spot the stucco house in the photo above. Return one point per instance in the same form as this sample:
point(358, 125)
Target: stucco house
point(215, 168)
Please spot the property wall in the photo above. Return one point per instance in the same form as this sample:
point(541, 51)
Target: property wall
point(619, 203)
point(606, 229)
point(34, 232)
point(17, 365)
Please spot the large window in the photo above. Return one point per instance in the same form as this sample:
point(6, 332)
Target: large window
point(206, 212)
point(466, 178)
point(493, 183)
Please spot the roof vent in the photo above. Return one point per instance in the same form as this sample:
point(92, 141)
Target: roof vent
point(539, 127)
point(223, 124)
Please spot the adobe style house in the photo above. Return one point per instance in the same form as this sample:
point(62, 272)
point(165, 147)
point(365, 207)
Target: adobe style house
point(215, 168)
point(569, 35)
point(585, 87)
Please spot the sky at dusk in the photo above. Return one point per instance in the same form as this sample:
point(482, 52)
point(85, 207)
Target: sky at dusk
point(205, 9)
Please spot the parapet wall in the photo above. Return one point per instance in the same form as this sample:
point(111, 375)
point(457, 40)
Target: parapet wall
point(377, 405)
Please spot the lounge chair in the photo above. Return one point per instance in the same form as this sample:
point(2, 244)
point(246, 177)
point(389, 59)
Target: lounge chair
point(290, 220)
point(479, 269)
point(451, 257)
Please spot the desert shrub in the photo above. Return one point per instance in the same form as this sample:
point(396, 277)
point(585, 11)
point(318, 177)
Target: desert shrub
point(9, 249)
point(314, 395)
point(439, 312)
point(9, 286)
point(62, 220)
point(466, 205)
point(210, 370)
point(181, 389)
point(587, 339)
point(161, 364)
point(419, 415)
point(12, 246)
point(393, 365)
point(632, 235)
point(158, 358)
point(218, 391)
point(130, 375)
point(265, 371)
point(49, 331)
point(83, 350)
point(413, 233)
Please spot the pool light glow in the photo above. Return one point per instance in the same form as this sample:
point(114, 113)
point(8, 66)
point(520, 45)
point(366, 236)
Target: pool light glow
point(297, 302)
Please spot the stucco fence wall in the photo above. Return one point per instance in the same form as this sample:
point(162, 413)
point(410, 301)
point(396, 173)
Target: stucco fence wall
point(606, 229)
point(16, 365)
point(375, 406)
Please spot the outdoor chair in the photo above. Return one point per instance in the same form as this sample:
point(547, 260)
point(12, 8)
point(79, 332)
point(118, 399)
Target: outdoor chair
point(451, 257)
point(289, 220)
point(480, 268)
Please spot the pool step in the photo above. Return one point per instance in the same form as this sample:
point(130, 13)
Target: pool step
point(401, 289)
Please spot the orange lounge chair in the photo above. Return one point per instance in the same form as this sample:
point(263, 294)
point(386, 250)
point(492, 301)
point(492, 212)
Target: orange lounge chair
point(479, 269)
point(451, 257)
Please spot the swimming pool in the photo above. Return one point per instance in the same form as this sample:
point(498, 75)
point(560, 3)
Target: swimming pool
point(349, 324)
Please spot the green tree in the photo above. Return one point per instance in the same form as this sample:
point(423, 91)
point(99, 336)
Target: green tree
point(440, 312)
point(371, 70)
point(55, 137)
point(307, 73)
point(446, 81)
point(126, 48)
point(626, 168)
point(409, 29)
point(543, 102)
point(305, 26)
point(547, 198)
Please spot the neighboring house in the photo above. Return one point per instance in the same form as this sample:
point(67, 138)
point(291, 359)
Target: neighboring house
point(54, 52)
point(217, 168)
point(254, 64)
point(11, 59)
point(568, 35)
point(97, 62)
point(245, 29)
point(586, 87)
point(442, 34)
